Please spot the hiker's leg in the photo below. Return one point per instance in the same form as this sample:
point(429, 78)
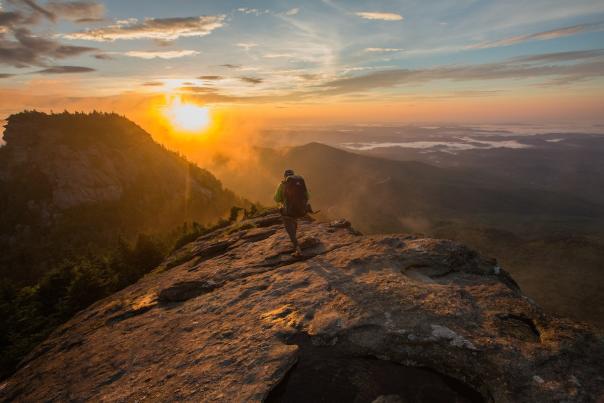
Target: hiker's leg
point(295, 232)
point(291, 226)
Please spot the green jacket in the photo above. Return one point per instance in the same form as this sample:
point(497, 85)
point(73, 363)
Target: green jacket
point(279, 194)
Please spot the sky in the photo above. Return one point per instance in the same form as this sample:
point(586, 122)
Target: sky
point(312, 61)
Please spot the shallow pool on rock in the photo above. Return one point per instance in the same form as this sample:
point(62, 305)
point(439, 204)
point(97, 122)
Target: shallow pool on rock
point(327, 374)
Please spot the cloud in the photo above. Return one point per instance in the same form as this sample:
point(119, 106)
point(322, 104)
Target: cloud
point(153, 84)
point(375, 15)
point(253, 11)
point(247, 45)
point(41, 10)
point(127, 21)
point(210, 78)
point(152, 28)
point(542, 36)
point(20, 47)
point(197, 89)
point(278, 55)
point(561, 56)
point(77, 11)
point(509, 69)
point(251, 80)
point(28, 49)
point(208, 94)
point(292, 11)
point(103, 56)
point(65, 70)
point(309, 76)
point(231, 66)
point(10, 18)
point(5, 75)
point(158, 54)
point(29, 11)
point(378, 50)
point(163, 43)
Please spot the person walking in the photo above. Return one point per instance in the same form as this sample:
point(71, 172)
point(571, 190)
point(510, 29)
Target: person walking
point(293, 196)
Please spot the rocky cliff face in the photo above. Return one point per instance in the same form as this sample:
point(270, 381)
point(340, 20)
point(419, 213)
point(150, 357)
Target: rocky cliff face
point(398, 318)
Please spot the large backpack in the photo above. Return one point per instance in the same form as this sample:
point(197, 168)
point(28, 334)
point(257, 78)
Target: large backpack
point(295, 196)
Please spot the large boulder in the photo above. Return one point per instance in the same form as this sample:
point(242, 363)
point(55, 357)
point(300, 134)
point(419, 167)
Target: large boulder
point(389, 318)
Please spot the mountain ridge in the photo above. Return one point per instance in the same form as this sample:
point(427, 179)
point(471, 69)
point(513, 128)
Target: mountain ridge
point(322, 163)
point(85, 179)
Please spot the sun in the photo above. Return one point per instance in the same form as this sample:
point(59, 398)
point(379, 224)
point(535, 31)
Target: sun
point(187, 117)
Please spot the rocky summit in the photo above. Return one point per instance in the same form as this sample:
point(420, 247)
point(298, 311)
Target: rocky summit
point(233, 316)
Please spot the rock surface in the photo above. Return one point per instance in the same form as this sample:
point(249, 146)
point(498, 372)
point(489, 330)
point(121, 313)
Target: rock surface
point(391, 318)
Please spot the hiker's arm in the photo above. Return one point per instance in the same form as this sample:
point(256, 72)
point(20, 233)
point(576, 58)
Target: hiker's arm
point(279, 194)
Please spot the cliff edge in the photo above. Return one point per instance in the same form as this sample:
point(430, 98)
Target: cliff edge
point(387, 318)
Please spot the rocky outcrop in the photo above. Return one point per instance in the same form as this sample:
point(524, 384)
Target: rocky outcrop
point(390, 318)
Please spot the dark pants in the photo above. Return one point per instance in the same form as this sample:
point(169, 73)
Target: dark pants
point(291, 226)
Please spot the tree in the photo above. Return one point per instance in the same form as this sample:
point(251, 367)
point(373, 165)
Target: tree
point(87, 286)
point(52, 289)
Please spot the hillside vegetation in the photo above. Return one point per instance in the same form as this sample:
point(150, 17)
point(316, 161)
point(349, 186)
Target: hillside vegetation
point(71, 183)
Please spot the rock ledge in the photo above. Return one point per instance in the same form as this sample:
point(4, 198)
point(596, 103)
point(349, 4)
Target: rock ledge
point(233, 317)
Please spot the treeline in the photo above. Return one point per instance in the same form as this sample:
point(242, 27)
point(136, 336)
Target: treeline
point(31, 115)
point(29, 314)
point(75, 129)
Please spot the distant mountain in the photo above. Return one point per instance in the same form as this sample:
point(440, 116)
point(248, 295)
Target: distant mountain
point(75, 182)
point(381, 194)
point(551, 241)
point(562, 162)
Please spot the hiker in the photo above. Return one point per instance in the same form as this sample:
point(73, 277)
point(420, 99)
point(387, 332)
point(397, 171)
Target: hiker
point(293, 196)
